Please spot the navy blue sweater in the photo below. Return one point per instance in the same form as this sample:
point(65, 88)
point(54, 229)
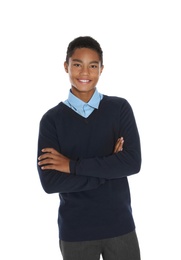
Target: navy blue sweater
point(94, 197)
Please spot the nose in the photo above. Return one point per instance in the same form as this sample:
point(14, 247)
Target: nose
point(84, 70)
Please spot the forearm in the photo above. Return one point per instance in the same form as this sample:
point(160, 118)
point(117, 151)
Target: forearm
point(115, 166)
point(57, 182)
point(54, 181)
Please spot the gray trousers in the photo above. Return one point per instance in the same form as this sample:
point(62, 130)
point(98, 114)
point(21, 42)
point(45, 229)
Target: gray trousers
point(124, 247)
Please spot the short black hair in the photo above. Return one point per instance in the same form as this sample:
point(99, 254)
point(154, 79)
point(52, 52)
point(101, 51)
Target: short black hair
point(84, 42)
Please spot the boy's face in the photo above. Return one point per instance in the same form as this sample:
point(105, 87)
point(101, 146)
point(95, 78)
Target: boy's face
point(84, 69)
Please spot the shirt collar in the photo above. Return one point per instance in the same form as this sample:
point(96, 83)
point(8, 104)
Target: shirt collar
point(78, 104)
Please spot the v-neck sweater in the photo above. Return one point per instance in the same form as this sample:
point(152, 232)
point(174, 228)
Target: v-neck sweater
point(95, 198)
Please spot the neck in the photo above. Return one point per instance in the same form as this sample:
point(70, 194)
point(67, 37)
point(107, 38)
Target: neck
point(85, 96)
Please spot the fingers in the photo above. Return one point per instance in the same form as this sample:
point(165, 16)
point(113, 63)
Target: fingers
point(51, 159)
point(49, 150)
point(44, 163)
point(48, 153)
point(119, 145)
point(47, 157)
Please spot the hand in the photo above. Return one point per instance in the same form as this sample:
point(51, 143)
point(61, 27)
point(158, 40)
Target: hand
point(119, 145)
point(53, 160)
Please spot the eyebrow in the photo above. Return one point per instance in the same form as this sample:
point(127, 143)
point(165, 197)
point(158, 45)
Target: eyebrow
point(94, 61)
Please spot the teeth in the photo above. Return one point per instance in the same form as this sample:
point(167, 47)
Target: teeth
point(84, 80)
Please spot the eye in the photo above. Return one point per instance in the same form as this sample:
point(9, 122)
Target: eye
point(93, 66)
point(76, 65)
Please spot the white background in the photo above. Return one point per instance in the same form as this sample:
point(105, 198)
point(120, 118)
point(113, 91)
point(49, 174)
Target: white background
point(142, 56)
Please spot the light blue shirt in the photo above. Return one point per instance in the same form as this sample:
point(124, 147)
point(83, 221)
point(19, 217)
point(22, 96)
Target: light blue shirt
point(82, 108)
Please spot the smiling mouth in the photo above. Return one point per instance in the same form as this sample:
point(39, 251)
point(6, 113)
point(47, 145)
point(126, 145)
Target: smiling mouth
point(84, 80)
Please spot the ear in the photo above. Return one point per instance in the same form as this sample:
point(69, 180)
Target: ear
point(102, 67)
point(66, 66)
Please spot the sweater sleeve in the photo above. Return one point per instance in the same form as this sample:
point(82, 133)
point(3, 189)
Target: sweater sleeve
point(54, 181)
point(117, 165)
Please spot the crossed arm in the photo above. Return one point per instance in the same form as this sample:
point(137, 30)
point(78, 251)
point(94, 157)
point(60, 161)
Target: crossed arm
point(53, 160)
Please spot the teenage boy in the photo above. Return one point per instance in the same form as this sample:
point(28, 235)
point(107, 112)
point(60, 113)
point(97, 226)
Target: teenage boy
point(81, 156)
